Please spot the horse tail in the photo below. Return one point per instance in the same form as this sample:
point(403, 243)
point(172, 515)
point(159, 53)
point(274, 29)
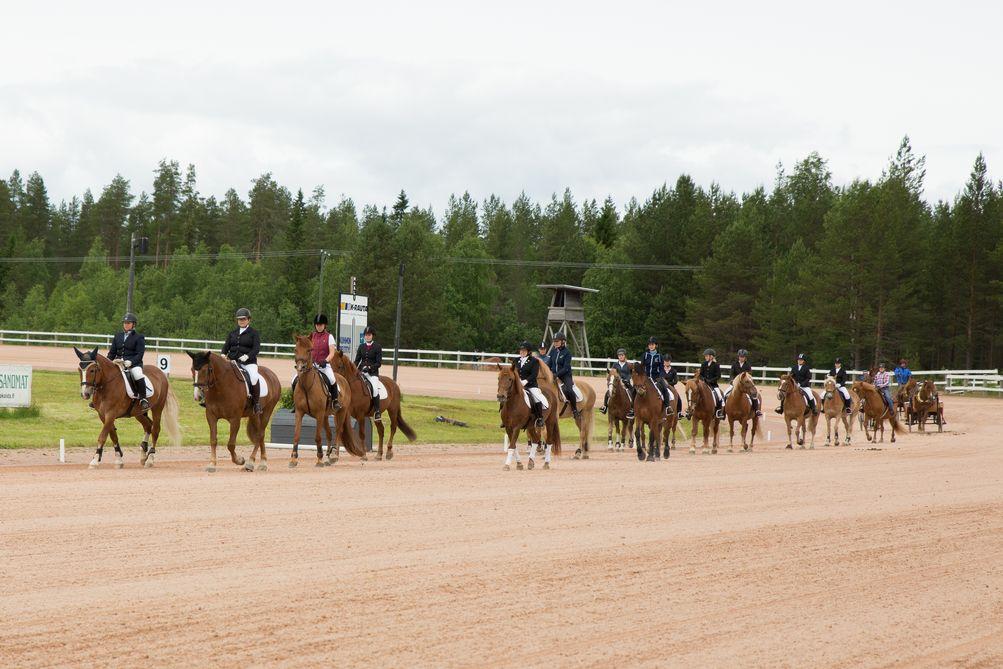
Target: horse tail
point(350, 440)
point(896, 425)
point(556, 446)
point(401, 423)
point(170, 417)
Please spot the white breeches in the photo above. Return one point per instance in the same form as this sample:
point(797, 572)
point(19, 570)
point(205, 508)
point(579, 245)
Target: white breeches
point(717, 395)
point(808, 397)
point(252, 371)
point(844, 391)
point(137, 373)
point(327, 371)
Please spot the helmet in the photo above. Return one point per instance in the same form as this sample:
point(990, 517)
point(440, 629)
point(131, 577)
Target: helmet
point(621, 351)
point(652, 340)
point(543, 345)
point(370, 330)
point(525, 345)
point(839, 360)
point(320, 319)
point(667, 358)
point(802, 356)
point(242, 313)
point(129, 318)
point(742, 353)
point(883, 364)
point(709, 351)
point(560, 337)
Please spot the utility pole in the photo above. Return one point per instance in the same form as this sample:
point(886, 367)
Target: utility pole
point(320, 287)
point(397, 327)
point(142, 243)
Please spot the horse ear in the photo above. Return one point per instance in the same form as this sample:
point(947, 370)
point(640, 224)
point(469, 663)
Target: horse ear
point(93, 353)
point(190, 354)
point(80, 355)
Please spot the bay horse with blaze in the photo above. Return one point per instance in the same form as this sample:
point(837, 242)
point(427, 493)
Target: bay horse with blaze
point(517, 416)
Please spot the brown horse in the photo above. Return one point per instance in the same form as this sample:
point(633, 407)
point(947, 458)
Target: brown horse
point(874, 408)
point(219, 386)
point(517, 416)
point(925, 402)
point(648, 413)
point(101, 382)
point(738, 407)
point(586, 410)
point(620, 404)
point(700, 409)
point(311, 398)
point(361, 406)
point(904, 394)
point(832, 408)
point(796, 410)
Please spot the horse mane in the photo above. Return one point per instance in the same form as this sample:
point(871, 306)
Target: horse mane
point(349, 363)
point(545, 370)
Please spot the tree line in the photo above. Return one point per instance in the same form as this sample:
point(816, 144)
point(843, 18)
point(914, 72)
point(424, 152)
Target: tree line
point(865, 271)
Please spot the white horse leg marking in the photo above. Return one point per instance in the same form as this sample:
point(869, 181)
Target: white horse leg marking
point(532, 451)
point(509, 457)
point(546, 454)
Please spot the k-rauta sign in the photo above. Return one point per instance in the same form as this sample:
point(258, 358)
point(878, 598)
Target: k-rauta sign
point(15, 385)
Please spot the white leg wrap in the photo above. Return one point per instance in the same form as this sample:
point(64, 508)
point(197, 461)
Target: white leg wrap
point(546, 454)
point(518, 458)
point(510, 456)
point(532, 451)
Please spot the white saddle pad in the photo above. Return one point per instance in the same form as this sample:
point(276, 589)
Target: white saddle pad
point(578, 393)
point(537, 395)
point(378, 387)
point(128, 387)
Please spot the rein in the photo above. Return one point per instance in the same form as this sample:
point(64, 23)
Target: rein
point(88, 384)
point(210, 378)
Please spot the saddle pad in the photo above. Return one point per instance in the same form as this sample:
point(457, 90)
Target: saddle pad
point(579, 397)
point(262, 384)
point(537, 395)
point(128, 386)
point(377, 386)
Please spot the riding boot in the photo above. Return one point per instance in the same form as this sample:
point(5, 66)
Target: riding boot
point(574, 408)
point(846, 405)
point(605, 404)
point(335, 399)
point(538, 413)
point(755, 406)
point(144, 404)
point(376, 409)
point(632, 394)
point(718, 409)
point(679, 407)
point(814, 409)
point(256, 397)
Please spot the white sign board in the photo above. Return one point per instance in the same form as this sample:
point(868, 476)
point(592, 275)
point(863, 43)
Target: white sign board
point(15, 385)
point(353, 316)
point(164, 363)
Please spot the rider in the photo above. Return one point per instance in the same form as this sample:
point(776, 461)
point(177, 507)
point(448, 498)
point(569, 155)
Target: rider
point(243, 344)
point(738, 367)
point(838, 373)
point(902, 373)
point(882, 381)
point(529, 367)
point(623, 368)
point(543, 354)
point(323, 349)
point(652, 362)
point(710, 372)
point(560, 364)
point(670, 378)
point(801, 373)
point(129, 345)
point(368, 359)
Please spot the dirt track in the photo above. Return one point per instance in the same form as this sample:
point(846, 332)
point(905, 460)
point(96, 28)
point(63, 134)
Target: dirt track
point(833, 557)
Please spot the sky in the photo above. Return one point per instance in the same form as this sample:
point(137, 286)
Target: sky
point(438, 98)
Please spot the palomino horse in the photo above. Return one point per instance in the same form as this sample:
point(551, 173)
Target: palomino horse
point(219, 385)
point(586, 410)
point(361, 405)
point(101, 382)
point(903, 396)
point(875, 409)
point(648, 413)
point(311, 397)
point(620, 404)
point(700, 409)
point(832, 407)
point(738, 407)
point(516, 416)
point(924, 403)
point(796, 410)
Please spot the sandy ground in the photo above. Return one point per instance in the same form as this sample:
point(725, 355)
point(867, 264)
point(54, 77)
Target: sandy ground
point(840, 557)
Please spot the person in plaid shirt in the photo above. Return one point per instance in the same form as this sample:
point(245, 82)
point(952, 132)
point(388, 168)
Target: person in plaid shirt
point(883, 381)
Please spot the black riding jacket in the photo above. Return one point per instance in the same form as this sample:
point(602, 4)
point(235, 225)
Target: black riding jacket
point(623, 369)
point(802, 375)
point(560, 363)
point(247, 343)
point(840, 375)
point(737, 368)
point(129, 348)
point(528, 371)
point(652, 361)
point(671, 376)
point(710, 372)
point(368, 358)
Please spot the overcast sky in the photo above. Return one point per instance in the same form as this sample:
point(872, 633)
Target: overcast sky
point(604, 98)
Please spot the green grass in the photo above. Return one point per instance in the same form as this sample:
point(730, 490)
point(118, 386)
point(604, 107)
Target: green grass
point(59, 412)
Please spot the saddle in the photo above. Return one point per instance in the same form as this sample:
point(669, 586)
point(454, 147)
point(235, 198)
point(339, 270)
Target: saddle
point(579, 397)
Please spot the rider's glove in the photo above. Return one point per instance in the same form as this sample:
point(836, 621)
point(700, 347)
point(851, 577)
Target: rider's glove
point(128, 364)
point(243, 358)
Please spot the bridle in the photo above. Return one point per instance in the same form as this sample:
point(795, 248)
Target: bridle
point(84, 369)
point(210, 377)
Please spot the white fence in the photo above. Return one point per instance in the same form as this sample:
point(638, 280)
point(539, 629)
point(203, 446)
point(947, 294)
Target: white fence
point(952, 380)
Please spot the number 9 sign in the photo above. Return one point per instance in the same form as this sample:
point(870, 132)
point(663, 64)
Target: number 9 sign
point(164, 363)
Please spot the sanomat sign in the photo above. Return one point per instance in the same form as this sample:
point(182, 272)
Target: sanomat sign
point(15, 385)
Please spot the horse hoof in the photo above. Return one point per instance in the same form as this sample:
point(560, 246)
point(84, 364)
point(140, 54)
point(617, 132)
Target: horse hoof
point(731, 450)
point(519, 466)
point(248, 466)
point(530, 464)
point(789, 447)
point(390, 455)
point(262, 467)
point(320, 463)
point(811, 447)
point(800, 447)
point(94, 464)
point(210, 469)
point(585, 456)
point(506, 468)
point(546, 465)
point(241, 462)
point(693, 451)
point(578, 454)
point(331, 461)
point(379, 457)
point(293, 463)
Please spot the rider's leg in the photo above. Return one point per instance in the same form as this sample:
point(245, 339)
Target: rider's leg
point(810, 397)
point(140, 386)
point(537, 408)
point(718, 402)
point(569, 392)
point(605, 403)
point(252, 372)
point(332, 385)
point(754, 397)
point(845, 395)
point(632, 394)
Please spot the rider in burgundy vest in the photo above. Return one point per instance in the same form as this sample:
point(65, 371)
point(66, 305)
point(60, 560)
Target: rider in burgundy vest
point(321, 351)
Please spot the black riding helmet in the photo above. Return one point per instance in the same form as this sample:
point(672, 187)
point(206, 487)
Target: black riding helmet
point(242, 313)
point(742, 353)
point(129, 318)
point(560, 337)
point(525, 346)
point(370, 330)
point(320, 319)
point(652, 340)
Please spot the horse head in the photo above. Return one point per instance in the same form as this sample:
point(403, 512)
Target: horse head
point(786, 385)
point(303, 354)
point(507, 374)
point(830, 387)
point(638, 378)
point(90, 372)
point(202, 374)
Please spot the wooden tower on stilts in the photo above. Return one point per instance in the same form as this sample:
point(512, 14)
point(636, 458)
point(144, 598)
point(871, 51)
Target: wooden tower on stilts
point(567, 314)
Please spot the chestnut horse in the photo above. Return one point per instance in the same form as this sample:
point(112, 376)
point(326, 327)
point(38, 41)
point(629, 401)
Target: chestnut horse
point(311, 397)
point(517, 416)
point(101, 382)
point(219, 386)
point(875, 409)
point(924, 403)
point(700, 409)
point(648, 413)
point(361, 406)
point(586, 409)
point(738, 407)
point(620, 404)
point(796, 410)
point(832, 408)
point(903, 396)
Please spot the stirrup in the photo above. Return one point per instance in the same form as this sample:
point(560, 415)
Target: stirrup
point(604, 410)
point(144, 404)
point(539, 422)
point(630, 415)
point(779, 410)
point(377, 417)
point(257, 407)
